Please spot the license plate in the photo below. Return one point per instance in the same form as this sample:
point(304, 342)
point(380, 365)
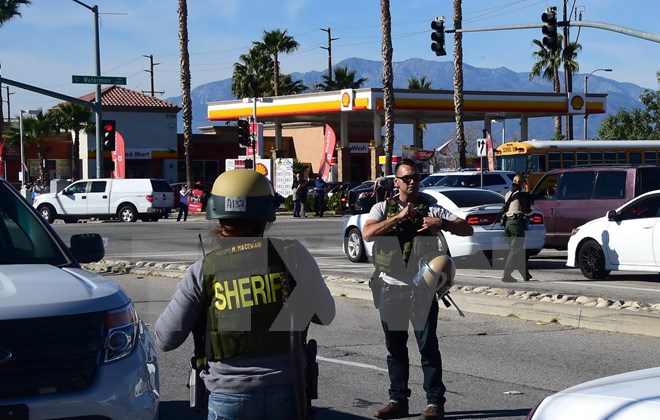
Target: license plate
point(14, 412)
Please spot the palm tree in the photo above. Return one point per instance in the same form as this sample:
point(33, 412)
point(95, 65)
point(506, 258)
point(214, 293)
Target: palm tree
point(343, 79)
point(388, 81)
point(549, 62)
point(276, 42)
point(288, 86)
point(74, 117)
point(186, 102)
point(253, 76)
point(8, 10)
point(458, 83)
point(35, 131)
point(419, 83)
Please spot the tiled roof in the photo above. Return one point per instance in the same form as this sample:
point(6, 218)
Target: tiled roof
point(119, 98)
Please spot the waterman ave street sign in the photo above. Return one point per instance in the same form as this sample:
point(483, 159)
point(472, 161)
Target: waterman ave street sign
point(99, 80)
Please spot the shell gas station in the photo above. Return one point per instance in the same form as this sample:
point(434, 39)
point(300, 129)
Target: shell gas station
point(344, 128)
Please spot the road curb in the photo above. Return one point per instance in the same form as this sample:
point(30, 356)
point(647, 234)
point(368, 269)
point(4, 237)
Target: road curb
point(568, 314)
point(482, 300)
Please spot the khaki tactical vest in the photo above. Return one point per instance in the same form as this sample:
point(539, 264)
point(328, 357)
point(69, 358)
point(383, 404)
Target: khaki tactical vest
point(514, 205)
point(403, 243)
point(246, 283)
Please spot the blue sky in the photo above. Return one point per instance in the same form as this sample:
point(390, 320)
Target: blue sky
point(54, 39)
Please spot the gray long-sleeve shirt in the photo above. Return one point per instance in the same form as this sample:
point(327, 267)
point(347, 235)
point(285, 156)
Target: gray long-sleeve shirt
point(244, 374)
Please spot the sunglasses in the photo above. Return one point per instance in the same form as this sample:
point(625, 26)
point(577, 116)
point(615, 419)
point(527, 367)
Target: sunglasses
point(408, 178)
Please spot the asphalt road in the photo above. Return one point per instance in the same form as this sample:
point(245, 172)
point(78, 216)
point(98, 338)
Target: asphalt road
point(494, 367)
point(169, 241)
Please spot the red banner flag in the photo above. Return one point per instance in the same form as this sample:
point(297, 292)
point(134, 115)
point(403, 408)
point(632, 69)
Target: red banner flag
point(328, 151)
point(119, 157)
point(489, 150)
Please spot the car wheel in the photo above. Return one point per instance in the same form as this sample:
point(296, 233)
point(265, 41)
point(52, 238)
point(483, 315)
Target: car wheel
point(355, 246)
point(47, 212)
point(591, 260)
point(127, 213)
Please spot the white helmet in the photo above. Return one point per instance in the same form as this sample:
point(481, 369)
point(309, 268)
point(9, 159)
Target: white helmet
point(437, 274)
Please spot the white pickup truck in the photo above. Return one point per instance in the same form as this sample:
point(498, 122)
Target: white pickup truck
point(107, 198)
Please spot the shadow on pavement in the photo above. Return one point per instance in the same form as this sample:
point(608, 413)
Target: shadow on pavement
point(177, 410)
point(486, 414)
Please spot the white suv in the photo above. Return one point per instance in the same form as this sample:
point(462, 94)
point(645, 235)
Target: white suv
point(71, 342)
point(498, 181)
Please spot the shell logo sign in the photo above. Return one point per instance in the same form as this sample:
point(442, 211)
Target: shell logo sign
point(262, 169)
point(347, 99)
point(576, 104)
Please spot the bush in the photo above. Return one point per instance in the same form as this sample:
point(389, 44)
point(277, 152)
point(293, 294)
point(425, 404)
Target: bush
point(334, 202)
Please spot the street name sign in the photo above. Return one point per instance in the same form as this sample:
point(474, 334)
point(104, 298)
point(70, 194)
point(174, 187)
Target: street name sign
point(99, 80)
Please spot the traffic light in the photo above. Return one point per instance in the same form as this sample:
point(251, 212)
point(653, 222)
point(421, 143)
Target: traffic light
point(549, 18)
point(109, 131)
point(243, 133)
point(438, 36)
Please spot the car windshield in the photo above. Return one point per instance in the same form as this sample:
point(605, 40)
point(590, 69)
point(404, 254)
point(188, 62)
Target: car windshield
point(473, 198)
point(431, 180)
point(466, 180)
point(24, 239)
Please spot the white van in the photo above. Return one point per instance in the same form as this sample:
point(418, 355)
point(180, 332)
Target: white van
point(108, 198)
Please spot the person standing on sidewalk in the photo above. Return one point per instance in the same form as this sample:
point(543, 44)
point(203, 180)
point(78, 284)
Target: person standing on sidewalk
point(184, 193)
point(405, 228)
point(251, 297)
point(300, 187)
point(320, 189)
point(517, 214)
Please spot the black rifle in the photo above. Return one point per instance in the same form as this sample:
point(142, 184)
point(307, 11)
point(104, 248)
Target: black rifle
point(199, 395)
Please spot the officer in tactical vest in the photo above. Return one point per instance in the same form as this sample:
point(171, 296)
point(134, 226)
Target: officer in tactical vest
point(404, 230)
point(518, 211)
point(251, 296)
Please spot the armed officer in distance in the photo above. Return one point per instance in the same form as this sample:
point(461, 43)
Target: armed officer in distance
point(518, 210)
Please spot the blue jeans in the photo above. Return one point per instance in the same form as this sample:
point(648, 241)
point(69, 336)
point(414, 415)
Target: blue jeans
point(422, 311)
point(276, 402)
point(183, 211)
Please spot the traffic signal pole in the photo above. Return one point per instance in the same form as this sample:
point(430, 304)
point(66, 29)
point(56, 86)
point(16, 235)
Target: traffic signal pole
point(587, 24)
point(549, 27)
point(98, 105)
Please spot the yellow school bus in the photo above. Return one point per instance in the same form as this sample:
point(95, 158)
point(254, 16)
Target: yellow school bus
point(535, 157)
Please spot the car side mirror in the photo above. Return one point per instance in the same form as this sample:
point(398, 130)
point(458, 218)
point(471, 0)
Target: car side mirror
point(87, 247)
point(611, 215)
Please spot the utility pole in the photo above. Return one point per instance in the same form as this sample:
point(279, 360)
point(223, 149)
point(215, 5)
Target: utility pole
point(8, 104)
point(151, 73)
point(329, 48)
point(568, 76)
